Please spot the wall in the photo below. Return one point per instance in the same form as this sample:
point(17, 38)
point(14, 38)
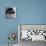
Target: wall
point(28, 12)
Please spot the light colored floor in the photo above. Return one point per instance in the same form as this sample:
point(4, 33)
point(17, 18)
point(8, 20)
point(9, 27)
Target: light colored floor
point(30, 43)
point(7, 45)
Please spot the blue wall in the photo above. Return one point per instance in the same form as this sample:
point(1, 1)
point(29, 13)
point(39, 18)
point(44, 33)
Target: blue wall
point(28, 12)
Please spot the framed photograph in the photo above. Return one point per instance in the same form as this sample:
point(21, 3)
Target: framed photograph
point(10, 12)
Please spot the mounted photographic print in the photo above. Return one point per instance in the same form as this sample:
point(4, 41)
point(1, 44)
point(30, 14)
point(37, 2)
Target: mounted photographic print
point(10, 12)
point(32, 32)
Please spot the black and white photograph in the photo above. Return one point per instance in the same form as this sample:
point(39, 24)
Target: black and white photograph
point(10, 12)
